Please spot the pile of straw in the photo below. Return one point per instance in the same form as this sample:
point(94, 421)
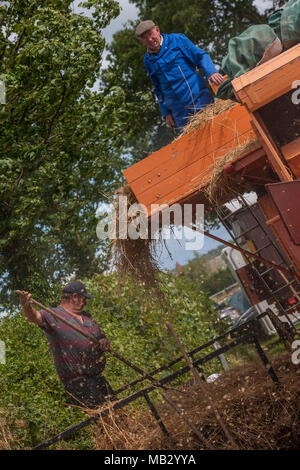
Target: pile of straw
point(138, 258)
point(224, 187)
point(198, 120)
point(258, 414)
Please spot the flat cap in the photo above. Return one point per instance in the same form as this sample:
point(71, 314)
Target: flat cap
point(143, 27)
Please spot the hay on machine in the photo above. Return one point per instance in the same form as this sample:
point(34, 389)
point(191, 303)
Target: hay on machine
point(223, 187)
point(139, 257)
point(207, 114)
point(135, 257)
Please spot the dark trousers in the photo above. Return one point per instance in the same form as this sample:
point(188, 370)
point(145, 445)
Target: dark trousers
point(89, 392)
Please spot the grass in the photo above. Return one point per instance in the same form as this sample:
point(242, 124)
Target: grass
point(247, 353)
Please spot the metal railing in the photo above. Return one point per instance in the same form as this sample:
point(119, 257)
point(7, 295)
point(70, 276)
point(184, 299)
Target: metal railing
point(247, 338)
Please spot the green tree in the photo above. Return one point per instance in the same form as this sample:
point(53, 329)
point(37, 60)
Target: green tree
point(61, 141)
point(210, 283)
point(217, 281)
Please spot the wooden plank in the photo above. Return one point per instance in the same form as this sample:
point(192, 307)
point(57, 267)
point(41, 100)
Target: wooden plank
point(179, 169)
point(254, 160)
point(202, 151)
point(268, 81)
point(215, 133)
point(291, 153)
point(284, 196)
point(194, 188)
point(187, 180)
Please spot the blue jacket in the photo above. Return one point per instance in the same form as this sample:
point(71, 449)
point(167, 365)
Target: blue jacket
point(177, 85)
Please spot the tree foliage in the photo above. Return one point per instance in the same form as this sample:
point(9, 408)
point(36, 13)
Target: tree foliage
point(32, 402)
point(68, 130)
point(209, 24)
point(60, 141)
point(211, 283)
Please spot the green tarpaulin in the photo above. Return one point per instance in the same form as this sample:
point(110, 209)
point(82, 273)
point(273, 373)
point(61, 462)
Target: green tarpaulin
point(249, 48)
point(290, 24)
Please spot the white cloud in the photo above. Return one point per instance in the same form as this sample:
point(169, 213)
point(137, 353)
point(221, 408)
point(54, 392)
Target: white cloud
point(128, 12)
point(262, 5)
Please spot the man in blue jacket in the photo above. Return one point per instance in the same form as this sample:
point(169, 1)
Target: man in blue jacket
point(171, 61)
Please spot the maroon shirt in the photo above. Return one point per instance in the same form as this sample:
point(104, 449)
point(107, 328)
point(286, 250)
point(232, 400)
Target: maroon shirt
point(74, 355)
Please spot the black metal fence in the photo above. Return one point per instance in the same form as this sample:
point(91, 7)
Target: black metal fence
point(244, 338)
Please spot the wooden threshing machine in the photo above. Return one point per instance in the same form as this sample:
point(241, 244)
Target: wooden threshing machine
point(268, 112)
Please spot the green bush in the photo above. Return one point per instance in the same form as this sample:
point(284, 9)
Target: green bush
point(32, 398)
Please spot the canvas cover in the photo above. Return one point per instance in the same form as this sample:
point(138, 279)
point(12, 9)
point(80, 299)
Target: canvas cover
point(259, 43)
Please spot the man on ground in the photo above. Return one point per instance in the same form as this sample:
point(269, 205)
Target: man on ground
point(79, 362)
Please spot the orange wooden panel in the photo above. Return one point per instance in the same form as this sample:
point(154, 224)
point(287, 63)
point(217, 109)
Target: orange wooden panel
point(181, 168)
point(291, 153)
point(187, 180)
point(210, 144)
point(268, 81)
point(216, 133)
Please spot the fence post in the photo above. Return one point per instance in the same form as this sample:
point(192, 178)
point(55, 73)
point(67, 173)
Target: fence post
point(221, 356)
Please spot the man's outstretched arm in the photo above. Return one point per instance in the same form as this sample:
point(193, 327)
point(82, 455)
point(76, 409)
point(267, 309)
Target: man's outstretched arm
point(29, 311)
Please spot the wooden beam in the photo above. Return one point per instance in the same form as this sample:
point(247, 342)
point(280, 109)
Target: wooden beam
point(274, 221)
point(291, 153)
point(271, 150)
point(268, 81)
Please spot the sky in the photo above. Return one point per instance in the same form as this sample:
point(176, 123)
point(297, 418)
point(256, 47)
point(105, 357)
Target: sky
point(177, 248)
point(179, 252)
point(129, 12)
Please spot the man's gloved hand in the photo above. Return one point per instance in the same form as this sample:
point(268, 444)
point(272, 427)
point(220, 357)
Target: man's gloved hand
point(104, 344)
point(170, 121)
point(216, 78)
